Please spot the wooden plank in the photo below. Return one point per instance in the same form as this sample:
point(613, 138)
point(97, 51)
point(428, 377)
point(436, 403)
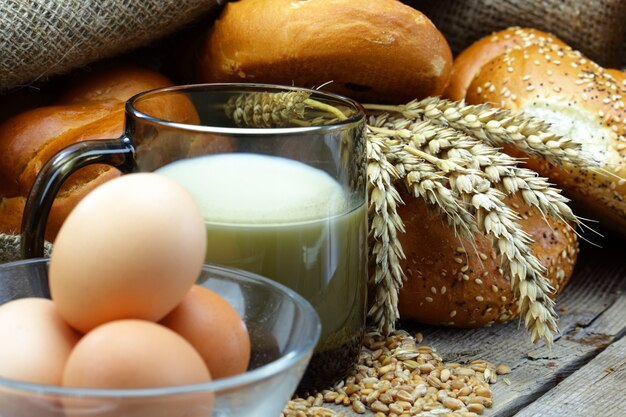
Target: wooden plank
point(590, 320)
point(593, 315)
point(596, 389)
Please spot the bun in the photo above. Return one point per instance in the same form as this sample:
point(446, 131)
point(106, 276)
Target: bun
point(453, 282)
point(370, 50)
point(581, 101)
point(92, 109)
point(469, 61)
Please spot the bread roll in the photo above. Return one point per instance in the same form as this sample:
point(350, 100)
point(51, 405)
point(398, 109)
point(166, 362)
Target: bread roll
point(581, 101)
point(453, 282)
point(92, 109)
point(469, 61)
point(370, 50)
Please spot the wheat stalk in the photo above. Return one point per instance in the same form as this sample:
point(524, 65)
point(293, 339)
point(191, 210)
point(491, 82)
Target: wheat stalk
point(496, 127)
point(269, 110)
point(499, 168)
point(444, 152)
point(385, 223)
point(462, 178)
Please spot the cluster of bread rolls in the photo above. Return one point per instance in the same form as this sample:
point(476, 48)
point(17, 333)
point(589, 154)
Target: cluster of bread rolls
point(536, 73)
point(379, 51)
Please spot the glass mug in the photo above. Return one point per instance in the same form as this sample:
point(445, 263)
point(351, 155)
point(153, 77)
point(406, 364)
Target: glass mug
point(280, 176)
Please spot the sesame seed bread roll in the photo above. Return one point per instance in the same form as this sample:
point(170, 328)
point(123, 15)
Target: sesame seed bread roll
point(369, 50)
point(470, 60)
point(581, 101)
point(454, 282)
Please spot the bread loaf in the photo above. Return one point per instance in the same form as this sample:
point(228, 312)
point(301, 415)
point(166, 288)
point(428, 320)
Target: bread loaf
point(369, 50)
point(580, 100)
point(453, 282)
point(93, 108)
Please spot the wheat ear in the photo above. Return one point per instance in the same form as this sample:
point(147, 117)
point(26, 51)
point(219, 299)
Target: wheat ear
point(385, 223)
point(496, 127)
point(463, 179)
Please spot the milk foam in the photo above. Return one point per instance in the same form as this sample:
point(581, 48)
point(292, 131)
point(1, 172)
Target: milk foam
point(250, 188)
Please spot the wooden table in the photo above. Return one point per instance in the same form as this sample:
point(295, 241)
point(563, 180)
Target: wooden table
point(584, 374)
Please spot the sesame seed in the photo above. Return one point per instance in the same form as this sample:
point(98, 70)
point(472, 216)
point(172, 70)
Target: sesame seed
point(452, 313)
point(478, 281)
point(433, 290)
point(443, 290)
point(503, 299)
point(458, 260)
point(464, 268)
point(530, 88)
point(494, 288)
point(429, 299)
point(526, 77)
point(465, 277)
point(479, 298)
point(482, 256)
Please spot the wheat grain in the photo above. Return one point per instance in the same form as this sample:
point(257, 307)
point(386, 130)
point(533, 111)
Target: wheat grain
point(395, 376)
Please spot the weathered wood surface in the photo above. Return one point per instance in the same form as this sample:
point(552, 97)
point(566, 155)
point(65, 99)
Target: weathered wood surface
point(592, 317)
point(597, 389)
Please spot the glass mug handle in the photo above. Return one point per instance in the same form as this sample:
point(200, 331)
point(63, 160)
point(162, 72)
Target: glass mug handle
point(118, 153)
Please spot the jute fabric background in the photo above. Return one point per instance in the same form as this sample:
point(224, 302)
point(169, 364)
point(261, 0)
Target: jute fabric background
point(42, 38)
point(10, 248)
point(595, 27)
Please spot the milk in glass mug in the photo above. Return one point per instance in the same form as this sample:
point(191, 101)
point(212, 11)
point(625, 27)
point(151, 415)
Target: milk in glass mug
point(280, 176)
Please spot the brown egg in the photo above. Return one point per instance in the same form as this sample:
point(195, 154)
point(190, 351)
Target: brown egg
point(131, 248)
point(133, 354)
point(214, 328)
point(35, 342)
point(136, 354)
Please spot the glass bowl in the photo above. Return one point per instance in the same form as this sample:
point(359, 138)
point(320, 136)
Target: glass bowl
point(283, 328)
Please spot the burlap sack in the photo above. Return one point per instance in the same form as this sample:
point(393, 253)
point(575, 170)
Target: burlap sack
point(42, 38)
point(10, 248)
point(595, 27)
